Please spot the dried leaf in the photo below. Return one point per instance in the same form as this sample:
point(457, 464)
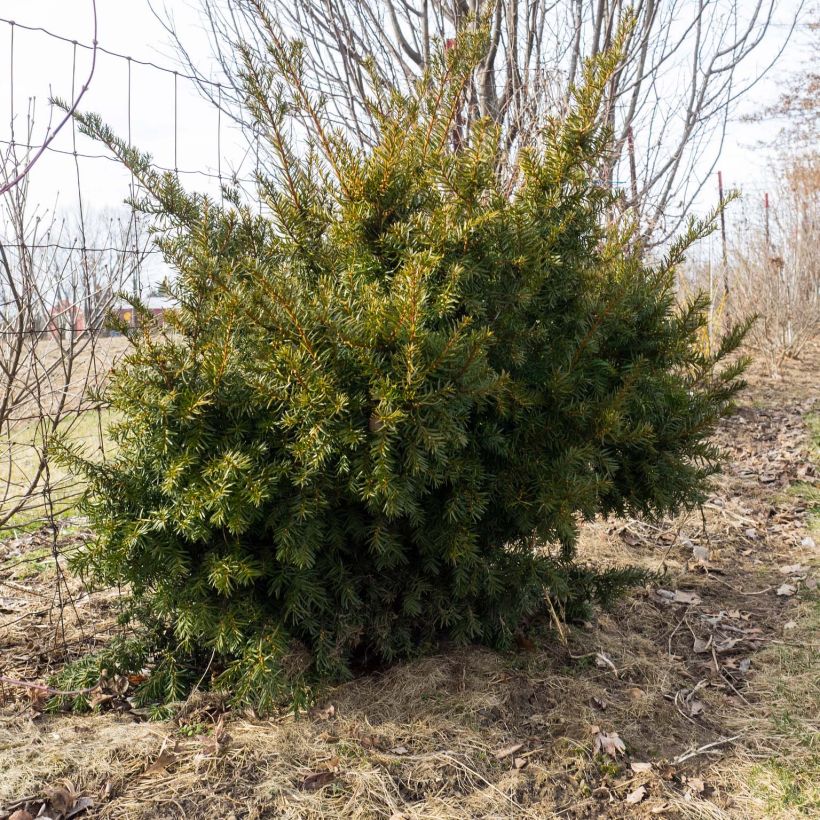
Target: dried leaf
point(640, 768)
point(696, 785)
point(398, 750)
point(323, 712)
point(635, 797)
point(604, 662)
point(789, 625)
point(792, 569)
point(21, 814)
point(695, 707)
point(808, 542)
point(786, 590)
point(79, 806)
point(60, 799)
point(506, 751)
point(221, 736)
point(99, 699)
point(317, 780)
point(164, 759)
point(215, 743)
point(520, 762)
point(609, 743)
point(726, 644)
point(701, 646)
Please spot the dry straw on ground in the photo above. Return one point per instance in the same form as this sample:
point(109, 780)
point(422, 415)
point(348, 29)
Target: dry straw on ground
point(700, 695)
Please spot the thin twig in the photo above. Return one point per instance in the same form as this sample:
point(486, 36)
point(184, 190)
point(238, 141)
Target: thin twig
point(21, 588)
point(69, 114)
point(39, 687)
point(557, 622)
point(740, 591)
point(733, 688)
point(703, 749)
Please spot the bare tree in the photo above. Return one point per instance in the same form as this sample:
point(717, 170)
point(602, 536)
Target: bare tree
point(776, 260)
point(668, 104)
point(57, 285)
point(21, 172)
point(778, 271)
point(797, 108)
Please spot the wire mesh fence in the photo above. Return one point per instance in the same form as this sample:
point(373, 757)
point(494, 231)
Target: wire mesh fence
point(65, 267)
point(74, 249)
point(62, 269)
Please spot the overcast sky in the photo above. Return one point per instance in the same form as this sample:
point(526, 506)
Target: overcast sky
point(43, 66)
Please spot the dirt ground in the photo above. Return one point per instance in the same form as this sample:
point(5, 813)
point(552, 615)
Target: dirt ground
point(695, 698)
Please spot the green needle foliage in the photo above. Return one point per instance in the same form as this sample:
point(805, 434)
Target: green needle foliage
point(384, 406)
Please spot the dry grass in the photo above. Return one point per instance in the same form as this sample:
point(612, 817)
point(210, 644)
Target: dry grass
point(50, 395)
point(720, 695)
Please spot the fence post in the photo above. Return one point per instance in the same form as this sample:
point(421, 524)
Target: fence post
point(723, 244)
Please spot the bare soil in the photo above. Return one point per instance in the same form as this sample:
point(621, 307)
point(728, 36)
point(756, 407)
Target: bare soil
point(698, 697)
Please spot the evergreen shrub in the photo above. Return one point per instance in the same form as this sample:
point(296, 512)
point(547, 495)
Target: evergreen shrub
point(386, 403)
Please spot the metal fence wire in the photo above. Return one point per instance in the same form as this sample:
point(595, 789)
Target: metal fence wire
point(64, 268)
point(72, 246)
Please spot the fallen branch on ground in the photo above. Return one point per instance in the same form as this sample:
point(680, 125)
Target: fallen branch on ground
point(39, 687)
point(703, 749)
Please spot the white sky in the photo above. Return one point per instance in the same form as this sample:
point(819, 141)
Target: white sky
point(43, 67)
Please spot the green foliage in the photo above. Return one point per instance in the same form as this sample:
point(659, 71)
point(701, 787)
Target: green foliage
point(385, 405)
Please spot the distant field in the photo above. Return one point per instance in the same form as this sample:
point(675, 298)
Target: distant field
point(21, 455)
point(46, 384)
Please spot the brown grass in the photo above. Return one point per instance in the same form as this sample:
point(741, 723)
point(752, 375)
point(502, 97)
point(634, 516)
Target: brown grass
point(730, 730)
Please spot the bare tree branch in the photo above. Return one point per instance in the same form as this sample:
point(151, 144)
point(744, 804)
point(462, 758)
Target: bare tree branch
point(678, 82)
point(11, 183)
